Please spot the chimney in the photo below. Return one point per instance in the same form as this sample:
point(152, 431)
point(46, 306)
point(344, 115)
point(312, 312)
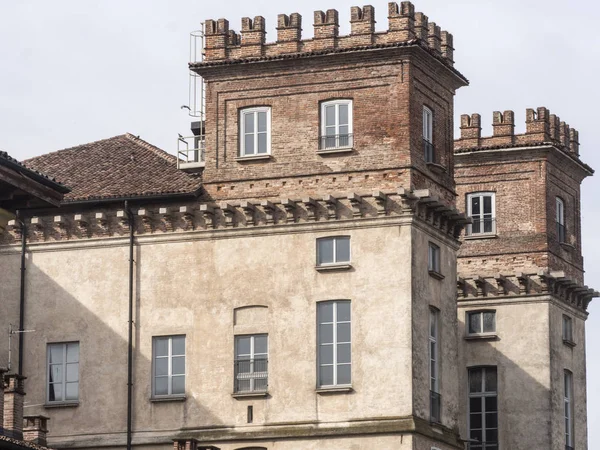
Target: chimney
point(36, 430)
point(13, 405)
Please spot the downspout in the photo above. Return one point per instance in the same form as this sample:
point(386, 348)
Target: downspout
point(130, 323)
point(22, 293)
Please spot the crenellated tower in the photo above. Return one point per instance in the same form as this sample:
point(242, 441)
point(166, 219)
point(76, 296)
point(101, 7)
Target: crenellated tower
point(522, 302)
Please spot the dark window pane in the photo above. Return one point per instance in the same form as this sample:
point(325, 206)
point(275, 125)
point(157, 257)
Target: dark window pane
point(262, 143)
point(178, 385)
point(491, 435)
point(330, 115)
point(475, 206)
point(491, 380)
point(487, 204)
point(326, 375)
point(178, 365)
point(243, 345)
point(475, 405)
point(474, 325)
point(325, 251)
point(56, 393)
point(262, 121)
point(325, 312)
point(260, 344)
point(491, 404)
point(475, 380)
point(489, 322)
point(343, 353)
point(249, 123)
point(475, 421)
point(178, 345)
point(249, 144)
point(491, 420)
point(343, 374)
point(342, 249)
point(326, 354)
point(326, 333)
point(343, 311)
point(343, 332)
point(476, 434)
point(160, 386)
point(161, 347)
point(343, 115)
point(161, 366)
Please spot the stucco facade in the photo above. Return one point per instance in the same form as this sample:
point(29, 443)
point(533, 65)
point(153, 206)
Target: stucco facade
point(231, 250)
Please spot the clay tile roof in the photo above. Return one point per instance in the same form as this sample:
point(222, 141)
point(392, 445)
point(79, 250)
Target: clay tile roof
point(121, 166)
point(7, 160)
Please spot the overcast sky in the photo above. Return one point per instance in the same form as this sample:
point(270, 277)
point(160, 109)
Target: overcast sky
point(75, 71)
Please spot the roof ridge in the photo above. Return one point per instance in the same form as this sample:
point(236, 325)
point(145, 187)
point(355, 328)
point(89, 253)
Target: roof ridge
point(154, 149)
point(74, 147)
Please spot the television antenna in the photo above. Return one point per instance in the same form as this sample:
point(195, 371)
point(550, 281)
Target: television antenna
point(10, 333)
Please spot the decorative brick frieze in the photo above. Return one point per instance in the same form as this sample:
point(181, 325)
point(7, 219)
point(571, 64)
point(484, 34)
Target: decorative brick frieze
point(251, 213)
point(521, 284)
point(404, 27)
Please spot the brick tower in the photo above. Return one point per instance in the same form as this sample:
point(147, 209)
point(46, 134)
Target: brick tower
point(521, 299)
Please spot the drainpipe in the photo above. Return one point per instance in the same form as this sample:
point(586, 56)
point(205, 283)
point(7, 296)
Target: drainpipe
point(130, 338)
point(22, 293)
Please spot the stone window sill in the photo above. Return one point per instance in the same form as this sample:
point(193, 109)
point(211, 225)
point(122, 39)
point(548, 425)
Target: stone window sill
point(567, 246)
point(334, 390)
point(472, 237)
point(174, 398)
point(569, 343)
point(328, 267)
point(482, 337)
point(261, 394)
point(252, 157)
point(434, 274)
point(327, 151)
point(61, 405)
point(435, 167)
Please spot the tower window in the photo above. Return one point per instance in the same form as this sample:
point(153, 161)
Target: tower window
point(428, 149)
point(483, 408)
point(334, 343)
point(481, 208)
point(336, 124)
point(561, 231)
point(255, 131)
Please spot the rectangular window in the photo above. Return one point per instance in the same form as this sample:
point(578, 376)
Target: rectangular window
point(567, 329)
point(481, 322)
point(63, 372)
point(481, 208)
point(561, 231)
point(568, 410)
point(333, 250)
point(255, 131)
point(334, 343)
point(169, 366)
point(428, 148)
point(433, 264)
point(251, 359)
point(336, 124)
point(483, 408)
point(434, 373)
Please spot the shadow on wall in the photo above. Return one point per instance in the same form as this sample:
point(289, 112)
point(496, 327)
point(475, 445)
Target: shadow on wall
point(82, 296)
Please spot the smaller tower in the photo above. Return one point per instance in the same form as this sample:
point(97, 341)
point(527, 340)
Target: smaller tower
point(521, 299)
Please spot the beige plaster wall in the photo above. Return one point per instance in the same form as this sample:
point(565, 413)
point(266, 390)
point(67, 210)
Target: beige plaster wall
point(521, 353)
point(192, 284)
point(10, 283)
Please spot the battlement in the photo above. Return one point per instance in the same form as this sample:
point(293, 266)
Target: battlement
point(541, 127)
point(405, 26)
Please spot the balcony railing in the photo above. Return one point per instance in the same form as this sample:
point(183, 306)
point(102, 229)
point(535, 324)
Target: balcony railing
point(435, 411)
point(486, 225)
point(483, 446)
point(251, 375)
point(561, 232)
point(336, 141)
point(428, 151)
point(190, 152)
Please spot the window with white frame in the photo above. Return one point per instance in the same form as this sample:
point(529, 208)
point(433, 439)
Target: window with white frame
point(567, 329)
point(336, 124)
point(333, 250)
point(433, 259)
point(434, 371)
point(481, 322)
point(168, 356)
point(561, 231)
point(483, 408)
point(568, 389)
point(251, 359)
point(334, 350)
point(63, 372)
point(255, 131)
point(428, 148)
point(481, 207)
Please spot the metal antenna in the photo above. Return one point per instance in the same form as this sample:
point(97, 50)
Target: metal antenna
point(10, 333)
